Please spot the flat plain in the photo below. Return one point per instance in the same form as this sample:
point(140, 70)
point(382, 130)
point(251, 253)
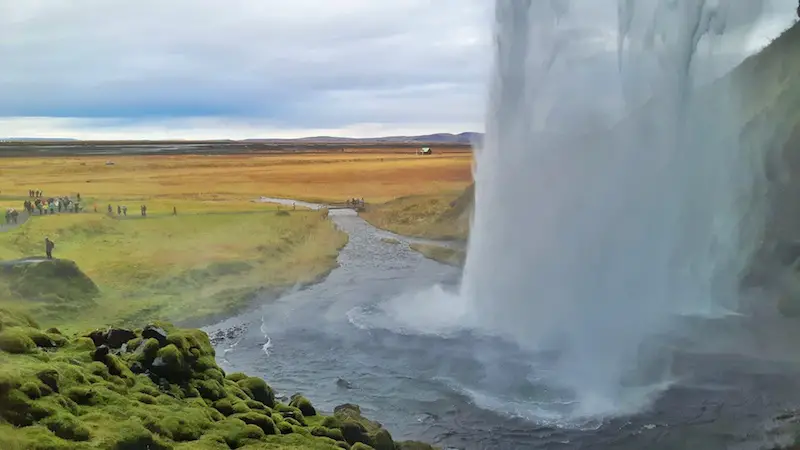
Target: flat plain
point(221, 249)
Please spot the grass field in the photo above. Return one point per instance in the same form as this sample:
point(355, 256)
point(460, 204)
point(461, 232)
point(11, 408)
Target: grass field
point(443, 215)
point(221, 249)
point(325, 177)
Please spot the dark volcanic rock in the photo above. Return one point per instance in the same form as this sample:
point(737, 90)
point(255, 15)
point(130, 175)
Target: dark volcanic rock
point(98, 337)
point(118, 336)
point(154, 332)
point(100, 353)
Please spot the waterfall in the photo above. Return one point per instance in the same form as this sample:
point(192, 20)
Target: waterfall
point(612, 193)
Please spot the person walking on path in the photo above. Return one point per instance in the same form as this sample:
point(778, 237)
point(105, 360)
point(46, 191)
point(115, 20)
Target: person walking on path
point(48, 247)
point(174, 211)
point(125, 211)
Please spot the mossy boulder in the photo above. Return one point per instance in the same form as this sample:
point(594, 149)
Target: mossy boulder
point(356, 428)
point(16, 341)
point(58, 282)
point(304, 405)
point(258, 390)
point(260, 420)
point(81, 395)
point(67, 426)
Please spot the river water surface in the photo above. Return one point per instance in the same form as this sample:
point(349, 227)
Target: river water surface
point(334, 342)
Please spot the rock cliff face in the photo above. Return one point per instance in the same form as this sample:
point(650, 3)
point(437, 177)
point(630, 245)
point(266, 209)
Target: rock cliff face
point(769, 87)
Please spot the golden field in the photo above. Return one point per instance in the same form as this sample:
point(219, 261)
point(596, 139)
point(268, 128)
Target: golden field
point(222, 248)
point(325, 177)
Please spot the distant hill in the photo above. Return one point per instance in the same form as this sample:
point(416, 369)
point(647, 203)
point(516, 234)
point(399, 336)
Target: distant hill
point(33, 139)
point(465, 138)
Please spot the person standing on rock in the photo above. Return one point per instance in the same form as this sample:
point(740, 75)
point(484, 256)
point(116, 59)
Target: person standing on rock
point(48, 247)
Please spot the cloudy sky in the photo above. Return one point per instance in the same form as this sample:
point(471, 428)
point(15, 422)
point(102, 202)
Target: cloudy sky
point(115, 69)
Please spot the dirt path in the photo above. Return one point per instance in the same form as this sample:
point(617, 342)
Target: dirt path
point(23, 217)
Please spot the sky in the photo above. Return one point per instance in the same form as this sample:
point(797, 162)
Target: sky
point(214, 69)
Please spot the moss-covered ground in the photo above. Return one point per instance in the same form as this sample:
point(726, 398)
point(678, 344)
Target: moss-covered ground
point(154, 388)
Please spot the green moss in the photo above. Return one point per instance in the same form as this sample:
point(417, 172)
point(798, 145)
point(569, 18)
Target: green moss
point(67, 427)
point(240, 408)
point(61, 398)
point(50, 378)
point(10, 318)
point(290, 412)
point(260, 420)
point(31, 389)
point(188, 426)
point(332, 433)
point(258, 390)
point(236, 376)
point(354, 432)
point(132, 435)
point(224, 406)
point(17, 409)
point(99, 369)
point(360, 446)
point(285, 427)
point(209, 389)
point(235, 433)
point(82, 343)
point(144, 398)
point(258, 406)
point(16, 341)
point(303, 405)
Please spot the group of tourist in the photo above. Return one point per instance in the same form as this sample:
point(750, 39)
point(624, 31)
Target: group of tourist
point(52, 205)
point(122, 210)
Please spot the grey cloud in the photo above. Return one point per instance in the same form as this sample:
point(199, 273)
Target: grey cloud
point(304, 63)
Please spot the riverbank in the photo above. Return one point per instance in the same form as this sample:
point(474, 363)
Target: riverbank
point(192, 268)
point(158, 388)
point(444, 216)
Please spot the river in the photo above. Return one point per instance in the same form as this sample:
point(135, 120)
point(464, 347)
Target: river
point(730, 379)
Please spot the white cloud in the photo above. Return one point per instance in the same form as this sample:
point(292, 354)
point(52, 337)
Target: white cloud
point(266, 66)
point(205, 128)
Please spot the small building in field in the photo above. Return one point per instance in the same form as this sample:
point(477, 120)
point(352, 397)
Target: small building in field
point(425, 151)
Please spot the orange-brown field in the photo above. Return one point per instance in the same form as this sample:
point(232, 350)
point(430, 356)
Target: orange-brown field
point(327, 177)
point(221, 247)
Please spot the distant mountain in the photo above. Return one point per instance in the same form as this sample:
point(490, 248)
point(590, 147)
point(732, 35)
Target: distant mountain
point(437, 138)
point(30, 139)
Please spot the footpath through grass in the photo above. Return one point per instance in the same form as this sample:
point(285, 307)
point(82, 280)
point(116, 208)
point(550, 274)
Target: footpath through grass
point(185, 268)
